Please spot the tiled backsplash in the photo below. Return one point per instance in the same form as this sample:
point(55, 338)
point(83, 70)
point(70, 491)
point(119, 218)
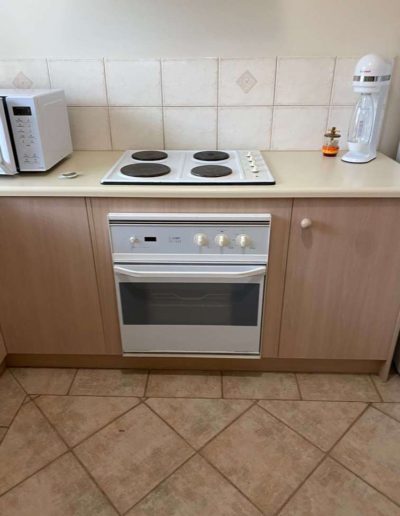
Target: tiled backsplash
point(264, 103)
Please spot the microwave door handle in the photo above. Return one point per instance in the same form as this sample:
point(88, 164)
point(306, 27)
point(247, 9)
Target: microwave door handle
point(7, 162)
point(256, 271)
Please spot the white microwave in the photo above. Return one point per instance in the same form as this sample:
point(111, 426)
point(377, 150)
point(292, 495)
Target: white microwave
point(34, 130)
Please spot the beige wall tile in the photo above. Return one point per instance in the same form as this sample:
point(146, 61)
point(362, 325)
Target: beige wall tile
point(24, 73)
point(247, 82)
point(244, 127)
point(136, 128)
point(190, 128)
point(133, 82)
point(90, 128)
point(342, 92)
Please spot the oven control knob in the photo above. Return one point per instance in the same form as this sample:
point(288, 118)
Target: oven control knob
point(132, 240)
point(200, 239)
point(222, 240)
point(243, 241)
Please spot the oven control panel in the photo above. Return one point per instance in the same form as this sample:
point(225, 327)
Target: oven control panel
point(190, 240)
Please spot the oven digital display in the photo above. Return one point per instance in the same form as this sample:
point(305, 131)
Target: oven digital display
point(150, 239)
point(22, 111)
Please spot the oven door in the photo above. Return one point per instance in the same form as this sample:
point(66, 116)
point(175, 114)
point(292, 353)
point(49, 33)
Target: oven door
point(190, 309)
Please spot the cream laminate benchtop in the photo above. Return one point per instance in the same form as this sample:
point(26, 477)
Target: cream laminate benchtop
point(297, 174)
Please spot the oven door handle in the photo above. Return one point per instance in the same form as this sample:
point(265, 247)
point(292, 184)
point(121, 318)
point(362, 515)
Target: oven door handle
point(256, 271)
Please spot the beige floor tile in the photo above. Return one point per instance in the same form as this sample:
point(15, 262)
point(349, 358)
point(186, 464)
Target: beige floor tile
point(60, 489)
point(334, 491)
point(390, 390)
point(391, 409)
point(322, 422)
point(132, 455)
point(196, 489)
point(264, 458)
point(109, 382)
point(77, 417)
point(11, 398)
point(198, 420)
point(371, 449)
point(260, 385)
point(38, 380)
point(184, 384)
point(337, 387)
point(29, 444)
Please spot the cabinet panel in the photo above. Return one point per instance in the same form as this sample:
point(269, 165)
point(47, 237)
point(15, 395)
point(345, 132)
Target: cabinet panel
point(280, 210)
point(342, 291)
point(48, 297)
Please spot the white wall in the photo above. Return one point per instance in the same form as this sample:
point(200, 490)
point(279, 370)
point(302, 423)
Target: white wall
point(172, 28)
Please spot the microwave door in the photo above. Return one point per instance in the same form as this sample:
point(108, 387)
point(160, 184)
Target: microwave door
point(7, 161)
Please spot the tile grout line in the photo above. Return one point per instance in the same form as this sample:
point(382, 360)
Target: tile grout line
point(363, 480)
point(273, 102)
point(159, 483)
point(326, 454)
point(330, 106)
point(384, 413)
point(108, 104)
point(298, 387)
point(146, 383)
point(198, 451)
point(222, 385)
point(71, 449)
point(72, 382)
point(217, 104)
point(162, 103)
point(381, 400)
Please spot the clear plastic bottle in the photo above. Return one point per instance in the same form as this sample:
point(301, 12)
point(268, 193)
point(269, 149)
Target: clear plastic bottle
point(361, 123)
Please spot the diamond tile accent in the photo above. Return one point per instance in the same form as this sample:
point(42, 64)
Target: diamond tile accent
point(109, 382)
point(196, 489)
point(22, 81)
point(132, 455)
point(337, 387)
point(184, 384)
point(321, 422)
point(260, 385)
point(371, 450)
point(266, 460)
point(29, 444)
point(60, 489)
point(77, 417)
point(38, 380)
point(334, 491)
point(198, 420)
point(246, 81)
point(11, 398)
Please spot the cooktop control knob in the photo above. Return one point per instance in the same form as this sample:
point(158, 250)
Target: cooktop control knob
point(243, 241)
point(200, 239)
point(222, 240)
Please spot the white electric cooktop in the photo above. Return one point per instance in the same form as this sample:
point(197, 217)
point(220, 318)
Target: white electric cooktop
point(176, 167)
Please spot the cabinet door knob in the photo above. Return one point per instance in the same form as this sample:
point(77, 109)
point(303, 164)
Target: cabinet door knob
point(305, 223)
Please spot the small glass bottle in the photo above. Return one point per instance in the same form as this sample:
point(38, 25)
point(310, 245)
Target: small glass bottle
point(331, 142)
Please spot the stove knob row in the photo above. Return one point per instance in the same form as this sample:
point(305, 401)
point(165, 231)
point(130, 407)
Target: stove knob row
point(222, 240)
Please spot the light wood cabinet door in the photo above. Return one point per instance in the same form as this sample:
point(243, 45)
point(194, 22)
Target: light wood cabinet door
point(48, 297)
point(342, 291)
point(280, 210)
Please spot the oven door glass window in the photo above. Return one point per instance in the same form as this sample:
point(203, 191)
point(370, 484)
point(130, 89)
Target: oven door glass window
point(197, 304)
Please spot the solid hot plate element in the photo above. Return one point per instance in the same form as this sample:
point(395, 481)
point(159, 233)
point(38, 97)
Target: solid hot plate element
point(149, 155)
point(211, 171)
point(145, 170)
point(211, 155)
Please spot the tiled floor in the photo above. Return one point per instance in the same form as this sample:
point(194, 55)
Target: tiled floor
point(109, 442)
